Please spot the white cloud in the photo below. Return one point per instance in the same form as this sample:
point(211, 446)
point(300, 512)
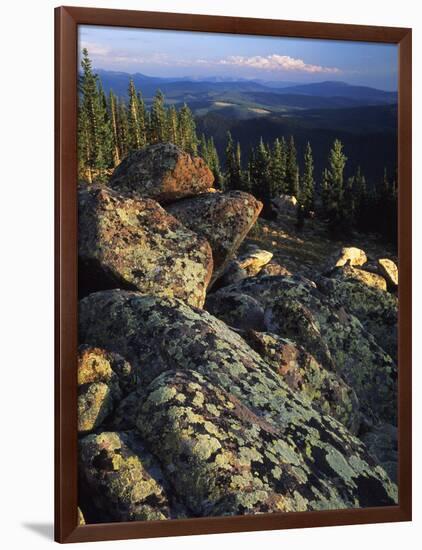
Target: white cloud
point(276, 62)
point(95, 49)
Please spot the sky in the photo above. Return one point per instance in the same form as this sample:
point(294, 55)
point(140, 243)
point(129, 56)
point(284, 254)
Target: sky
point(204, 55)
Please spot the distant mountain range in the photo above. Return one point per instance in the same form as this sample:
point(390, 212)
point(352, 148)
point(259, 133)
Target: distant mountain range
point(265, 94)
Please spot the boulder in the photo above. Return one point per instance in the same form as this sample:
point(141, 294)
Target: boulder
point(120, 480)
point(350, 273)
point(254, 260)
point(322, 324)
point(135, 244)
point(95, 403)
point(274, 268)
point(348, 254)
point(224, 219)
point(162, 172)
point(390, 272)
point(376, 309)
point(103, 379)
point(284, 205)
point(237, 310)
point(308, 459)
point(248, 264)
point(305, 376)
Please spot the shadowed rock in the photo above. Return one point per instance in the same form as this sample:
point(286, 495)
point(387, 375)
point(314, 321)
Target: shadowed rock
point(162, 172)
point(120, 479)
point(224, 219)
point(135, 244)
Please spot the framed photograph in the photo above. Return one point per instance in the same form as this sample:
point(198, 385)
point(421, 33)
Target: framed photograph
point(233, 216)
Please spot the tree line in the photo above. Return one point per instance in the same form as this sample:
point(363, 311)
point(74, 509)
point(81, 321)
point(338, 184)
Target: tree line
point(110, 127)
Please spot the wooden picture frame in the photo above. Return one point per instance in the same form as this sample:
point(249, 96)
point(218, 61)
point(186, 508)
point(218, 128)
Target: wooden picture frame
point(67, 20)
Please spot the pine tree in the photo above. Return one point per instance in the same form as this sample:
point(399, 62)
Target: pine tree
point(203, 149)
point(187, 131)
point(214, 164)
point(292, 170)
point(334, 186)
point(307, 190)
point(122, 129)
point(233, 176)
point(278, 167)
point(94, 131)
point(261, 177)
point(112, 107)
point(172, 129)
point(158, 119)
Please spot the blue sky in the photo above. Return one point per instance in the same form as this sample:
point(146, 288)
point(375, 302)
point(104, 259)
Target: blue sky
point(202, 55)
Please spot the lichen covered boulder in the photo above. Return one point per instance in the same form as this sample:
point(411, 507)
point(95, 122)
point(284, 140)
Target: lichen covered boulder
point(224, 219)
point(376, 310)
point(162, 337)
point(304, 375)
point(120, 480)
point(162, 172)
point(135, 244)
point(322, 324)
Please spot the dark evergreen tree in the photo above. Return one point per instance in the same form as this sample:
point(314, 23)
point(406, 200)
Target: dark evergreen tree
point(278, 167)
point(112, 109)
point(172, 130)
point(158, 119)
point(187, 131)
point(261, 177)
point(333, 206)
point(292, 170)
point(307, 188)
point(122, 129)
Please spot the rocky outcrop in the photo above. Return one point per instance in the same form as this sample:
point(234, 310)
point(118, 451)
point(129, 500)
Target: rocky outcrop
point(296, 309)
point(231, 434)
point(135, 244)
point(162, 172)
point(120, 479)
point(390, 272)
point(306, 377)
point(223, 219)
